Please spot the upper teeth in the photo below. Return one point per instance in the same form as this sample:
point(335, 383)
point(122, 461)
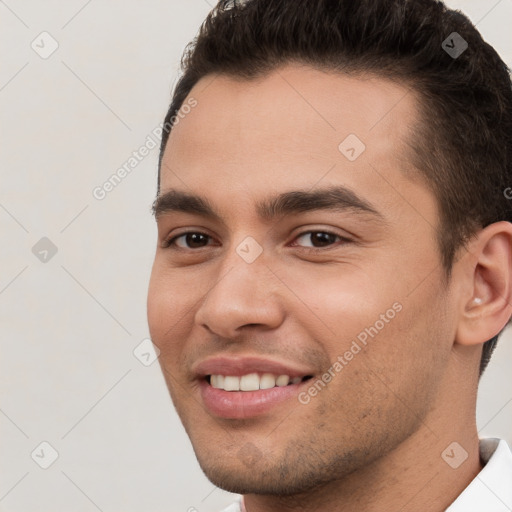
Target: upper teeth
point(251, 382)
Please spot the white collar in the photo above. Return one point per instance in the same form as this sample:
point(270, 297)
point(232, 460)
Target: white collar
point(491, 489)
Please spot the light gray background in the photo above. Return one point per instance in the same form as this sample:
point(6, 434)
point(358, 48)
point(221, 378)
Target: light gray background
point(69, 326)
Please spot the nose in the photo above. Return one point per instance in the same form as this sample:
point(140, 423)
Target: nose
point(241, 295)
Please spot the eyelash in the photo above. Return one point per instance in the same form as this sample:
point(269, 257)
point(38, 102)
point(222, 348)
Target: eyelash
point(169, 243)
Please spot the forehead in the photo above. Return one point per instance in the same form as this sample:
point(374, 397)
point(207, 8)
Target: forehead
point(304, 101)
point(289, 128)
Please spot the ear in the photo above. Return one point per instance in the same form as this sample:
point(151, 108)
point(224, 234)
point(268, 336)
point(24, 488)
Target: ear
point(486, 304)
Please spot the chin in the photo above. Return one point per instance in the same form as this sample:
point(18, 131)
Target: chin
point(250, 482)
point(270, 476)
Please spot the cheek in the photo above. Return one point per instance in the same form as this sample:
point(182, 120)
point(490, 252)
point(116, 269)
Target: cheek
point(400, 367)
point(335, 304)
point(383, 333)
point(167, 305)
point(155, 303)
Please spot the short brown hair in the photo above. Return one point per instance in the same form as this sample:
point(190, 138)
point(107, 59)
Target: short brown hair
point(461, 147)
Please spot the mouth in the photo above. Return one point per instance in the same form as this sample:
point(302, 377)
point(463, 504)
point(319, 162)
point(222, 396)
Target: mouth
point(238, 398)
point(249, 387)
point(253, 381)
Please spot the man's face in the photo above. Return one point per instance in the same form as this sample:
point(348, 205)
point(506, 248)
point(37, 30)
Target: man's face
point(309, 292)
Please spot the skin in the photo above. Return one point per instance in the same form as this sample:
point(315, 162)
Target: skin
point(372, 439)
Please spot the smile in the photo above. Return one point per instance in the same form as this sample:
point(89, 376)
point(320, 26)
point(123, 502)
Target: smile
point(251, 381)
point(248, 386)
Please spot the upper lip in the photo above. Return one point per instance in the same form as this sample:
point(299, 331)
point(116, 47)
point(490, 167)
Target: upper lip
point(238, 366)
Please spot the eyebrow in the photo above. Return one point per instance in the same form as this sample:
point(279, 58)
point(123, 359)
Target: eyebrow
point(334, 198)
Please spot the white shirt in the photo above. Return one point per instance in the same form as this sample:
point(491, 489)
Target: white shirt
point(489, 491)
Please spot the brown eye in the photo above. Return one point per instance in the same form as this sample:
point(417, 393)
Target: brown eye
point(191, 240)
point(319, 239)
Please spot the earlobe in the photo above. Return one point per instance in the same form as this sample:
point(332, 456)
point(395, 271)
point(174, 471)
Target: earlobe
point(487, 307)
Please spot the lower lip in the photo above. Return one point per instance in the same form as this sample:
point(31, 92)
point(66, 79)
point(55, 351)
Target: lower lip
point(245, 404)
